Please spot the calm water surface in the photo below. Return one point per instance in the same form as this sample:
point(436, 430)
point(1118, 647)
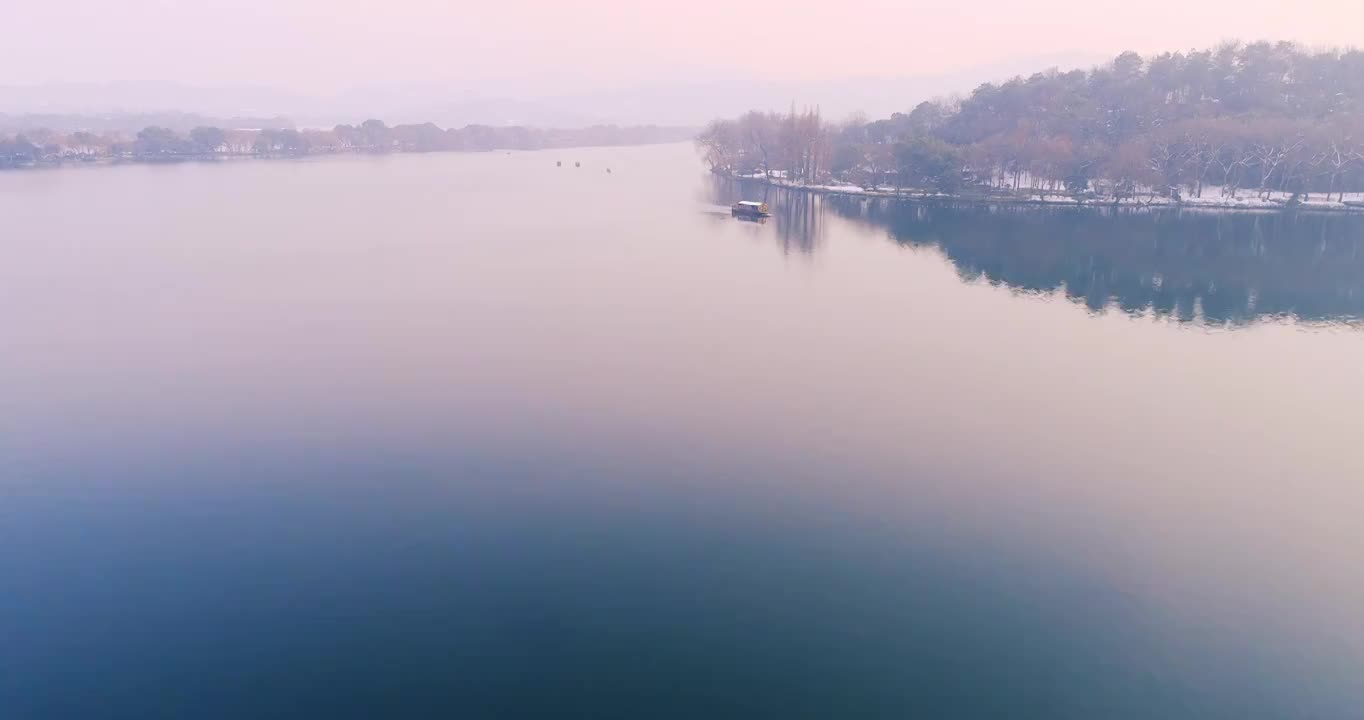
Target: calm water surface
point(478, 436)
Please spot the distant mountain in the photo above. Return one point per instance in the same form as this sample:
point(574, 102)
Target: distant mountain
point(876, 94)
point(129, 123)
point(148, 97)
point(693, 103)
point(677, 103)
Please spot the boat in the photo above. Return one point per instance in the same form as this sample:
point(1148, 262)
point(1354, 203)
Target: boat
point(749, 208)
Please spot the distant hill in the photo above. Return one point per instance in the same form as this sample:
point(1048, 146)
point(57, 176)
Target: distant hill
point(120, 98)
point(676, 101)
point(131, 123)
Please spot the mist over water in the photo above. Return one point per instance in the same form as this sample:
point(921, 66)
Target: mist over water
point(479, 436)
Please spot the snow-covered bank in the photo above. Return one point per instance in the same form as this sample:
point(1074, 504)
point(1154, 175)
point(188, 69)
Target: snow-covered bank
point(1213, 198)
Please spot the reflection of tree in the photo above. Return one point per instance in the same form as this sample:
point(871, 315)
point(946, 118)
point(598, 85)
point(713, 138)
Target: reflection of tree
point(1230, 268)
point(799, 221)
point(1233, 268)
point(797, 216)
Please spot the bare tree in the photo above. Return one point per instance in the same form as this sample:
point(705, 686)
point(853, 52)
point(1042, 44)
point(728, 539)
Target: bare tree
point(718, 144)
point(1275, 148)
point(1338, 156)
point(759, 136)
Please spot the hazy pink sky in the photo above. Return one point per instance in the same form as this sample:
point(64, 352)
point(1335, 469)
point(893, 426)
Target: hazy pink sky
point(543, 47)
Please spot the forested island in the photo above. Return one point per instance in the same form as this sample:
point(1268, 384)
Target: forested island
point(1243, 125)
point(40, 147)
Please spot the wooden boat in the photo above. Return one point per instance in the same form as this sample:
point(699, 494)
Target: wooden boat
point(749, 208)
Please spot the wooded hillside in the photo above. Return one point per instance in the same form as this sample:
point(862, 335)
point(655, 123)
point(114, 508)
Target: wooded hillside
point(1261, 117)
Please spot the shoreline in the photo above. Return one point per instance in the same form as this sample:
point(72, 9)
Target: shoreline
point(207, 158)
point(1253, 204)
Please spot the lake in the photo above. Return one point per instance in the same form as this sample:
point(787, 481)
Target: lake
point(476, 435)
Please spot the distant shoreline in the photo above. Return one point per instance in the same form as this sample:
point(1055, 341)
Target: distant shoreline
point(1245, 204)
point(41, 148)
point(208, 158)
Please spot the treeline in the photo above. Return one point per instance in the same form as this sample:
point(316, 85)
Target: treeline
point(46, 147)
point(1262, 118)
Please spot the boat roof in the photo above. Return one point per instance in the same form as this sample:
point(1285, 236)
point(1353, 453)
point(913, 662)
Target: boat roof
point(750, 202)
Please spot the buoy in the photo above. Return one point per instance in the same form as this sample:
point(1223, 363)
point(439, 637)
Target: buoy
point(577, 164)
point(608, 171)
point(559, 164)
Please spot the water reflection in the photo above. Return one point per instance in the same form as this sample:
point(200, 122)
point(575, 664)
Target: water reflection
point(796, 217)
point(1216, 268)
point(463, 594)
point(437, 456)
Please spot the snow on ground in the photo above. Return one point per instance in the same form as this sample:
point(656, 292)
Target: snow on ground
point(1239, 202)
point(1213, 197)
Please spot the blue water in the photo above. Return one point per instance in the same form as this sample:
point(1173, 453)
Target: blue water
point(479, 436)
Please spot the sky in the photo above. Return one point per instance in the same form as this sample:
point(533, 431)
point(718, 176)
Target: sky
point(532, 48)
